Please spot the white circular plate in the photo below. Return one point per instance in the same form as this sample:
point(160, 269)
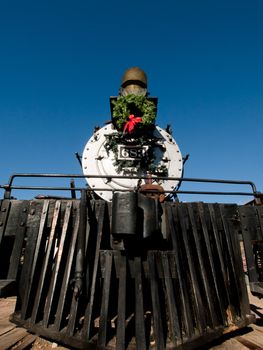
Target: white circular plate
point(97, 161)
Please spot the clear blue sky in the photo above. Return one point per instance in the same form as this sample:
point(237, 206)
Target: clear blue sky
point(61, 60)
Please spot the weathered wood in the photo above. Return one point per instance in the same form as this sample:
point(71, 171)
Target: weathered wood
point(230, 216)
point(67, 272)
point(230, 344)
point(198, 302)
point(9, 339)
point(89, 310)
point(251, 341)
point(47, 260)
point(219, 248)
point(35, 257)
point(204, 217)
point(171, 301)
point(25, 342)
point(58, 265)
point(157, 310)
point(139, 307)
point(122, 300)
point(183, 296)
point(104, 321)
point(7, 306)
point(203, 261)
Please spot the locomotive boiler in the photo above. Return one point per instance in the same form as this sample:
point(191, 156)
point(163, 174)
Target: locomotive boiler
point(127, 265)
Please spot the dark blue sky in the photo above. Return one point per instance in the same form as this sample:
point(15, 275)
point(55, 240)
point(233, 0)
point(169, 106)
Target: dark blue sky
point(61, 60)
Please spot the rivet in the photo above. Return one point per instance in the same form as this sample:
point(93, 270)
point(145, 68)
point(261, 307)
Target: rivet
point(32, 212)
point(22, 223)
point(1, 223)
point(25, 210)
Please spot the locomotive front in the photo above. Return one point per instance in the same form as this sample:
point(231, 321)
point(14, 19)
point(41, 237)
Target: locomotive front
point(132, 151)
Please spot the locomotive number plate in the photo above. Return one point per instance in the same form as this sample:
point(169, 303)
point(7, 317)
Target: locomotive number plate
point(131, 152)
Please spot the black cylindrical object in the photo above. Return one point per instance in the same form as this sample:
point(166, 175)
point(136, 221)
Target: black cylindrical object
point(124, 213)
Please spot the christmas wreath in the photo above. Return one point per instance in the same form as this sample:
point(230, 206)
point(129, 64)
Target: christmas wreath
point(132, 110)
point(146, 163)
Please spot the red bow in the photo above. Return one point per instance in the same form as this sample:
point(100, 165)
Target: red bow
point(131, 123)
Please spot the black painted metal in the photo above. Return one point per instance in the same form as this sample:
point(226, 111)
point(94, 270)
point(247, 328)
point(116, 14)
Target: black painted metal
point(134, 216)
point(251, 218)
point(124, 214)
point(182, 290)
point(13, 216)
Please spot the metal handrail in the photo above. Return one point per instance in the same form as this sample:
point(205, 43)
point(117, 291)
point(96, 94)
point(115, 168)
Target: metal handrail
point(9, 186)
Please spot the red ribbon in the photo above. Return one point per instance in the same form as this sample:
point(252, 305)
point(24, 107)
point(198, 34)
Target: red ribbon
point(131, 123)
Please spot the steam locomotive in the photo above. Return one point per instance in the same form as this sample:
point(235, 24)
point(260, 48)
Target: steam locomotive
point(127, 265)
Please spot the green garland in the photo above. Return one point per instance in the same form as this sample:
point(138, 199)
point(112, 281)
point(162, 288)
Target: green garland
point(138, 105)
point(147, 163)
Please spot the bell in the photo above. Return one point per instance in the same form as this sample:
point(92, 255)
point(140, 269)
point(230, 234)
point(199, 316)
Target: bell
point(134, 75)
point(134, 81)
